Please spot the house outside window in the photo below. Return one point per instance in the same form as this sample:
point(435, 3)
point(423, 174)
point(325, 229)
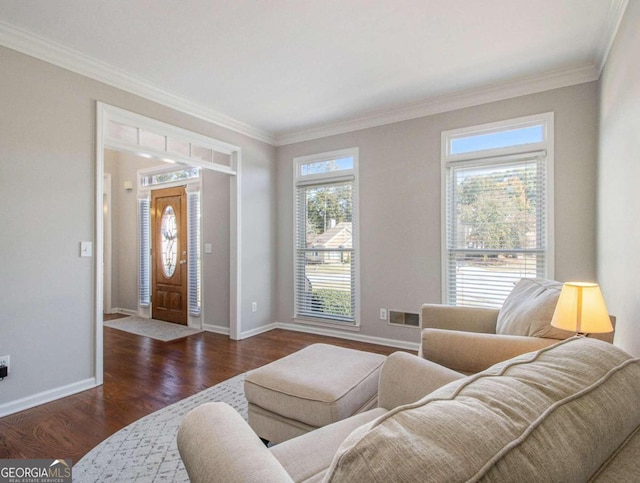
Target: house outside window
point(497, 208)
point(326, 234)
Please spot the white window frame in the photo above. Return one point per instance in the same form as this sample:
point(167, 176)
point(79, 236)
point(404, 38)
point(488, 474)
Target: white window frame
point(448, 160)
point(327, 178)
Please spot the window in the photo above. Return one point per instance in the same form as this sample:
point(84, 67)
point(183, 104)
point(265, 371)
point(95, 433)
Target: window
point(498, 204)
point(170, 175)
point(326, 236)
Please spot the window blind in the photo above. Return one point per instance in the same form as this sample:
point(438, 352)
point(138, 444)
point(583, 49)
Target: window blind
point(325, 257)
point(194, 260)
point(144, 252)
point(496, 227)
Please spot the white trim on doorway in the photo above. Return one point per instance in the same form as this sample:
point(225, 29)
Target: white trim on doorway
point(106, 114)
point(106, 206)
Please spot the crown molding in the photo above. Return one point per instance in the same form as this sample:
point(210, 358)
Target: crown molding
point(609, 31)
point(62, 56)
point(449, 102)
point(518, 87)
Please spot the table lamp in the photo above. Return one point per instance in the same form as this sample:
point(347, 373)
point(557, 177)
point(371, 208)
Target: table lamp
point(581, 309)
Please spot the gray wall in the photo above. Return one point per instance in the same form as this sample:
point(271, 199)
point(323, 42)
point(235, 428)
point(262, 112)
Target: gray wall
point(400, 201)
point(47, 191)
point(619, 176)
point(215, 230)
point(124, 231)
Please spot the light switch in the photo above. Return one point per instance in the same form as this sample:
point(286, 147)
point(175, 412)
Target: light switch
point(85, 248)
point(208, 248)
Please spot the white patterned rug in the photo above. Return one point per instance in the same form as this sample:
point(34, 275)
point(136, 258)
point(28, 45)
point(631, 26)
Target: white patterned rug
point(146, 450)
point(156, 329)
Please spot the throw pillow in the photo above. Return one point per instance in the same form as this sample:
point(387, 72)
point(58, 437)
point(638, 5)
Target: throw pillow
point(529, 308)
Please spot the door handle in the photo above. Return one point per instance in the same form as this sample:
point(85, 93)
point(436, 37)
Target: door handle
point(182, 262)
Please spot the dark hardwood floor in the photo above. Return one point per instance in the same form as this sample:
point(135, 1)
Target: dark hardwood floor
point(142, 375)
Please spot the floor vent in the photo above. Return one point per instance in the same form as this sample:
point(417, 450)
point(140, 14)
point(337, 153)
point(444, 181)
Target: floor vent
point(404, 318)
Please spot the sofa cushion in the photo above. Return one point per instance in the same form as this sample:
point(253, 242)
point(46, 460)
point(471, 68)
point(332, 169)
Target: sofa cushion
point(624, 464)
point(528, 310)
point(552, 415)
point(307, 457)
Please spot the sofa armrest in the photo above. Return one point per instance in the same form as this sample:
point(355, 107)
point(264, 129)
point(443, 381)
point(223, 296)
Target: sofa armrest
point(405, 378)
point(469, 319)
point(470, 352)
point(216, 444)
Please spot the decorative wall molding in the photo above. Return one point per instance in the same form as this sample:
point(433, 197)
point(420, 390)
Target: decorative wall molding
point(608, 34)
point(587, 72)
point(62, 56)
point(67, 58)
point(309, 329)
point(118, 310)
point(258, 330)
point(46, 396)
point(216, 329)
point(450, 102)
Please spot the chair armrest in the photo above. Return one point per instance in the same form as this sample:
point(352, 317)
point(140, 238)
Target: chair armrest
point(469, 319)
point(470, 352)
point(405, 378)
point(216, 444)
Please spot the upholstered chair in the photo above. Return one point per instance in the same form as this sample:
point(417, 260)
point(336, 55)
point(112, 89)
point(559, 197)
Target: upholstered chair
point(469, 340)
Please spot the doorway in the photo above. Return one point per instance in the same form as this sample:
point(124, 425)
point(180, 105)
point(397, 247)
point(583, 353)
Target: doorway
point(169, 255)
point(124, 131)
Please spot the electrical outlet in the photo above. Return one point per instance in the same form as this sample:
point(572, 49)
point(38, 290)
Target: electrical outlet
point(383, 314)
point(254, 306)
point(5, 361)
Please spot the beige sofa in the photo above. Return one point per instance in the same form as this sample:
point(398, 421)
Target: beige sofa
point(568, 412)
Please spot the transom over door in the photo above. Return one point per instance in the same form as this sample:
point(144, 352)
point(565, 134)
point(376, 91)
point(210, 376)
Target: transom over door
point(169, 255)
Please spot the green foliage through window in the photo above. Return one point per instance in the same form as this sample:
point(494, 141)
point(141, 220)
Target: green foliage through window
point(497, 208)
point(326, 207)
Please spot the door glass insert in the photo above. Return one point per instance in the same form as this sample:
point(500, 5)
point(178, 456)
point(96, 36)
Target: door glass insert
point(169, 241)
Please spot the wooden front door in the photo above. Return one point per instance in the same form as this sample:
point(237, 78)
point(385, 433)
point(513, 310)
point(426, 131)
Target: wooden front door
point(169, 254)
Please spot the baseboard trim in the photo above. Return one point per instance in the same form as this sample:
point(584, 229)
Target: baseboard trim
point(258, 330)
point(216, 329)
point(29, 402)
point(399, 344)
point(117, 310)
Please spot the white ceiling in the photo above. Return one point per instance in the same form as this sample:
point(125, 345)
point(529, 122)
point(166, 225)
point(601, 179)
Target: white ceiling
point(283, 70)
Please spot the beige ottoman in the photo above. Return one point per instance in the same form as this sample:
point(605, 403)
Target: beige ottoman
point(313, 387)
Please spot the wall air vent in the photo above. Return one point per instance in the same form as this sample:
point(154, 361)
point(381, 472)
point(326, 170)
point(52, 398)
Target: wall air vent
point(404, 318)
